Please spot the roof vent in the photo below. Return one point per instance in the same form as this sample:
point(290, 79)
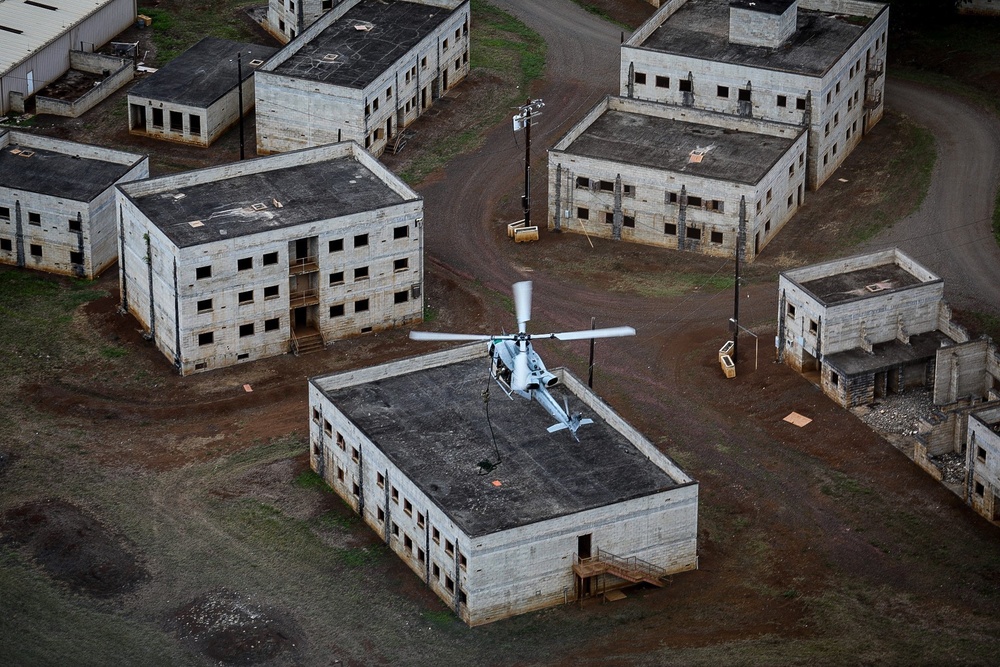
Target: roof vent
point(196, 223)
point(26, 153)
point(256, 62)
point(879, 286)
point(259, 206)
point(364, 26)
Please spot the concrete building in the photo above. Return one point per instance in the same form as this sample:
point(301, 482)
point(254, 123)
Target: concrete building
point(410, 446)
point(673, 176)
point(982, 461)
point(195, 97)
point(868, 325)
point(271, 255)
point(37, 38)
point(819, 63)
point(57, 203)
point(288, 18)
point(362, 72)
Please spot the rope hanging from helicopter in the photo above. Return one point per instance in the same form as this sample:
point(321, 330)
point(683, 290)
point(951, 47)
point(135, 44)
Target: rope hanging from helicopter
point(486, 465)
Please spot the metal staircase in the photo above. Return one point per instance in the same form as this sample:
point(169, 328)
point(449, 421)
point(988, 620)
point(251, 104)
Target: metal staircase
point(631, 569)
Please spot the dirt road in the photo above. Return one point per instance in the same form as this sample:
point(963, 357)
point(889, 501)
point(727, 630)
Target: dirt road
point(951, 233)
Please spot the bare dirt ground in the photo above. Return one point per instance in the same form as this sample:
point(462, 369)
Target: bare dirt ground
point(182, 497)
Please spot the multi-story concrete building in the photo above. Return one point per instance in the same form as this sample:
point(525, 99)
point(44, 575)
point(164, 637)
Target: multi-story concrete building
point(288, 18)
point(364, 71)
point(57, 203)
point(411, 447)
point(264, 256)
point(672, 176)
point(868, 325)
point(195, 97)
point(982, 461)
point(815, 62)
point(37, 38)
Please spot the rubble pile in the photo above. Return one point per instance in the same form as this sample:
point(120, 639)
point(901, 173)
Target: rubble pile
point(899, 413)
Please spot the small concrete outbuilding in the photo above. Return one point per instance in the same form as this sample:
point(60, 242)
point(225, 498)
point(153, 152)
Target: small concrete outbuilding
point(363, 72)
point(287, 18)
point(868, 325)
point(195, 97)
point(495, 514)
point(816, 62)
point(266, 256)
point(36, 39)
point(671, 176)
point(57, 203)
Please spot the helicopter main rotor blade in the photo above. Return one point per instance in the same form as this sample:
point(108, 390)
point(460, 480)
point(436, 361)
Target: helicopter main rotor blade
point(522, 303)
point(611, 332)
point(436, 335)
point(519, 380)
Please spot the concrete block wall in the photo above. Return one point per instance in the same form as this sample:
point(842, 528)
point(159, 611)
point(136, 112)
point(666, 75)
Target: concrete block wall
point(47, 245)
point(296, 113)
point(647, 191)
point(961, 371)
point(120, 71)
point(757, 28)
point(835, 100)
point(983, 462)
point(212, 121)
point(508, 572)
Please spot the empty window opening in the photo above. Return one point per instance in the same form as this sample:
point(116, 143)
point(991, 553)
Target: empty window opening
point(270, 258)
point(75, 257)
point(716, 237)
point(35, 219)
point(670, 228)
point(401, 264)
point(36, 250)
point(194, 122)
point(662, 81)
point(722, 91)
point(337, 310)
point(271, 292)
point(401, 297)
point(176, 121)
point(244, 264)
point(75, 226)
point(401, 232)
point(337, 278)
point(246, 330)
point(203, 272)
point(361, 306)
point(639, 78)
point(361, 240)
point(583, 213)
point(693, 233)
point(361, 273)
point(272, 324)
point(204, 305)
point(782, 101)
point(245, 297)
point(206, 338)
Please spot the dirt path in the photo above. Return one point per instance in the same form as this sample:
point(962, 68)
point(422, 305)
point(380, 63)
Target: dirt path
point(951, 233)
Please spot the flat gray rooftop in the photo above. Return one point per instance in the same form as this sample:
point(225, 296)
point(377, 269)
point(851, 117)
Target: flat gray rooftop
point(244, 205)
point(663, 143)
point(700, 29)
point(853, 285)
point(202, 74)
point(57, 174)
point(766, 6)
point(432, 424)
point(362, 55)
point(891, 354)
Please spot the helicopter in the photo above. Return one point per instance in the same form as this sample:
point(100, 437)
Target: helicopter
point(519, 370)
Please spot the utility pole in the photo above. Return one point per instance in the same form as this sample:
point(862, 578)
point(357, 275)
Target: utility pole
point(522, 120)
point(590, 373)
point(239, 88)
point(741, 236)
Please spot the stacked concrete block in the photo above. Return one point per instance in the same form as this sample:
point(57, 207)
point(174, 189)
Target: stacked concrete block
point(57, 203)
point(493, 543)
point(253, 259)
point(362, 72)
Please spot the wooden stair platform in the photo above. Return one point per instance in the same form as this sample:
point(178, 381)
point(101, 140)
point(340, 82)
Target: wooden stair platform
point(630, 569)
point(304, 343)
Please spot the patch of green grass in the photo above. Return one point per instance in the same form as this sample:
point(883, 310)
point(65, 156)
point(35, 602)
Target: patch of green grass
point(177, 29)
point(597, 11)
point(36, 314)
point(513, 55)
point(911, 173)
point(310, 480)
point(441, 619)
point(669, 284)
point(339, 520)
point(430, 314)
point(113, 352)
point(360, 556)
point(842, 486)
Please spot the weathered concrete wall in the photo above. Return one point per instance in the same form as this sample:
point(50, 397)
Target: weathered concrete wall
point(961, 371)
point(495, 576)
point(651, 197)
point(296, 113)
point(757, 28)
point(983, 462)
point(120, 71)
point(75, 238)
point(836, 101)
point(210, 123)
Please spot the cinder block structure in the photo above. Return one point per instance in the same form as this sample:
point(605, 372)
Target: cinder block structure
point(37, 38)
point(819, 63)
point(362, 72)
point(410, 446)
point(982, 461)
point(195, 97)
point(869, 325)
point(288, 18)
point(271, 255)
point(673, 176)
point(57, 203)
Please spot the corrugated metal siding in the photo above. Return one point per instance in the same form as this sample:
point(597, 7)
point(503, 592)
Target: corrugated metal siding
point(48, 36)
